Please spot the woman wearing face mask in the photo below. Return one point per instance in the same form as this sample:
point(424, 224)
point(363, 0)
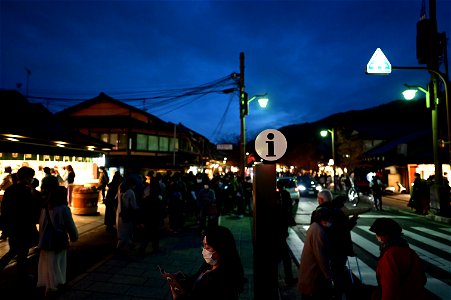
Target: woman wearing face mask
point(221, 276)
point(399, 272)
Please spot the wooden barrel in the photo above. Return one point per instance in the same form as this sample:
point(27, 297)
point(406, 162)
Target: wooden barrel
point(84, 202)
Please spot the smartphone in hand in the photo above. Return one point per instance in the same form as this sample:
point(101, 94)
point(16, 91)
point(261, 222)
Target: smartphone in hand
point(161, 270)
point(171, 279)
point(164, 274)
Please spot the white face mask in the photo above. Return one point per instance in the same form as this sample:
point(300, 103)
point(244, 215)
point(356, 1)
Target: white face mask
point(207, 255)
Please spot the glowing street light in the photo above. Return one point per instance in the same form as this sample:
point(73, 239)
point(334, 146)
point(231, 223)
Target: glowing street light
point(244, 109)
point(412, 90)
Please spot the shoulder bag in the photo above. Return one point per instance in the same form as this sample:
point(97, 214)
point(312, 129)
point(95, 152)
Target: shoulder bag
point(52, 239)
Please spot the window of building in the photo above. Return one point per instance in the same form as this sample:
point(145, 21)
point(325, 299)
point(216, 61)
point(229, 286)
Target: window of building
point(122, 143)
point(141, 142)
point(155, 143)
point(174, 145)
point(152, 143)
point(164, 144)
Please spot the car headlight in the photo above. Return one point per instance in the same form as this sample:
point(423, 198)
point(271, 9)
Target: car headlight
point(301, 188)
point(319, 188)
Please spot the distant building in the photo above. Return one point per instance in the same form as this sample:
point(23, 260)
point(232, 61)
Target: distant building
point(140, 140)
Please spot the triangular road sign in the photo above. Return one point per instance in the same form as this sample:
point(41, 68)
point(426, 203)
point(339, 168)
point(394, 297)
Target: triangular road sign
point(378, 63)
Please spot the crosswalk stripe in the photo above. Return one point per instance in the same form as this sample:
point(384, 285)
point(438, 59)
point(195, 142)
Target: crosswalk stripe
point(434, 285)
point(438, 287)
point(426, 240)
point(423, 254)
point(434, 233)
point(371, 216)
point(367, 273)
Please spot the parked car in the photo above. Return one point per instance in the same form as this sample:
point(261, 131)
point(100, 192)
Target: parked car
point(308, 186)
point(290, 184)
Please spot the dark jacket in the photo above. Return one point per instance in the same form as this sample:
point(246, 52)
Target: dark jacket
point(215, 284)
point(20, 213)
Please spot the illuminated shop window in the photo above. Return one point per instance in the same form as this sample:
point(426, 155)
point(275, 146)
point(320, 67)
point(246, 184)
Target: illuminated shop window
point(152, 144)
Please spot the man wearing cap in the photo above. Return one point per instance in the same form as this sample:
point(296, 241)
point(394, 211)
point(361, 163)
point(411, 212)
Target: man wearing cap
point(399, 272)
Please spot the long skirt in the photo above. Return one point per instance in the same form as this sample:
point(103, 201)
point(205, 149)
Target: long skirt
point(52, 269)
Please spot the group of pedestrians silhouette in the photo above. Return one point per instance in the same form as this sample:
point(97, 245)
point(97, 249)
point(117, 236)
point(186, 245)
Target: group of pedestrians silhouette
point(140, 208)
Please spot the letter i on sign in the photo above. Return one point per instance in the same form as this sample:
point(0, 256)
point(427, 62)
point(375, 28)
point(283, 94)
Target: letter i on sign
point(270, 144)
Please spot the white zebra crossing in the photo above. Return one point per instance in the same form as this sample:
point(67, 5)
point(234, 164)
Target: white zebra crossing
point(367, 274)
point(444, 236)
point(423, 254)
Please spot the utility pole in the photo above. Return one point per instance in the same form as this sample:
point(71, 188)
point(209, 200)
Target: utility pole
point(243, 109)
point(428, 52)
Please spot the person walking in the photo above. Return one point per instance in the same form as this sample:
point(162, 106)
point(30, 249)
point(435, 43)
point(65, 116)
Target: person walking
point(55, 216)
point(6, 182)
point(103, 182)
point(377, 189)
point(419, 195)
point(342, 246)
point(208, 207)
point(175, 202)
point(283, 220)
point(7, 179)
point(20, 212)
point(126, 213)
point(70, 179)
point(399, 272)
point(151, 216)
point(111, 202)
point(315, 277)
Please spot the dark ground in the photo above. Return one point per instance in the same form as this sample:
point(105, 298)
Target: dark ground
point(80, 257)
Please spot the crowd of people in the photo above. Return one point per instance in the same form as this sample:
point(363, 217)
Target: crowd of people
point(138, 208)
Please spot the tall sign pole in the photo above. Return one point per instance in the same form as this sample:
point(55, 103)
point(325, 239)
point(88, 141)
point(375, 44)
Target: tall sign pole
point(270, 145)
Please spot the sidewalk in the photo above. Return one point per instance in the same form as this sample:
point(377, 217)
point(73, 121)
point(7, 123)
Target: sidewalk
point(135, 277)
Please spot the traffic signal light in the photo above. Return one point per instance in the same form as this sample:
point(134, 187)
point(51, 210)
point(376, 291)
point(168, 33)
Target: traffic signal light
point(244, 103)
point(427, 43)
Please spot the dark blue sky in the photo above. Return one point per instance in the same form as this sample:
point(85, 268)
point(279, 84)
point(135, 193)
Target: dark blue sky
point(309, 56)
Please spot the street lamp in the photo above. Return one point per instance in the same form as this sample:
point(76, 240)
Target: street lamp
point(332, 135)
point(244, 111)
point(439, 188)
point(409, 94)
point(380, 65)
point(412, 90)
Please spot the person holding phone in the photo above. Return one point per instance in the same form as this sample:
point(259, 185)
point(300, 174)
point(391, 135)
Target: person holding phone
point(220, 277)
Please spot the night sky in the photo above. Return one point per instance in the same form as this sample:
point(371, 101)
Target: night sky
point(309, 56)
